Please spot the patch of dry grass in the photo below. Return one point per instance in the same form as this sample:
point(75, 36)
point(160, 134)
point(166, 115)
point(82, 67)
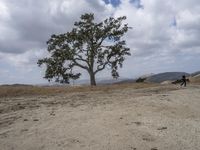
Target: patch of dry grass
point(14, 91)
point(195, 80)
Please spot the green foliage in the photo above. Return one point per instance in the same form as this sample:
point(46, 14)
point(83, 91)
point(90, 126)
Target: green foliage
point(90, 46)
point(140, 80)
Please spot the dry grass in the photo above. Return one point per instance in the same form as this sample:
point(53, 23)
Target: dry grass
point(14, 91)
point(195, 80)
point(123, 116)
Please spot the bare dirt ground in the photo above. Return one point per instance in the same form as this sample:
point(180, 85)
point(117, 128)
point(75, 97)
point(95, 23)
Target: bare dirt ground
point(152, 118)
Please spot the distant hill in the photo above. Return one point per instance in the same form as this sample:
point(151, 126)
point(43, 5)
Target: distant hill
point(195, 77)
point(195, 74)
point(155, 78)
point(163, 78)
point(110, 81)
point(101, 81)
point(126, 81)
point(16, 85)
point(147, 75)
point(166, 76)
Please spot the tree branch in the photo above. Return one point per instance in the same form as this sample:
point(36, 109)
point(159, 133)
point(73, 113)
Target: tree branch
point(79, 65)
point(102, 67)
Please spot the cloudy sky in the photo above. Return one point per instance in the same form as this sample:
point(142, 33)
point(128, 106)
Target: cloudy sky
point(165, 34)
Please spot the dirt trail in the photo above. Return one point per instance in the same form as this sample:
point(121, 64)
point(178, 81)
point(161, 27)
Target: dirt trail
point(162, 118)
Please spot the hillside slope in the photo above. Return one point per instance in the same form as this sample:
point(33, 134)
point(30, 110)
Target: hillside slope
point(166, 76)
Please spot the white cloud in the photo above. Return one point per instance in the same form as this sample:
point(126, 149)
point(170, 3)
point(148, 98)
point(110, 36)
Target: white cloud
point(165, 34)
point(4, 11)
point(24, 60)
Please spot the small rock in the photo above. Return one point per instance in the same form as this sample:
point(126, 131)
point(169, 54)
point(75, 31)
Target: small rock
point(154, 148)
point(21, 107)
point(162, 128)
point(148, 138)
point(25, 119)
point(23, 130)
point(52, 114)
point(138, 123)
point(35, 119)
point(117, 135)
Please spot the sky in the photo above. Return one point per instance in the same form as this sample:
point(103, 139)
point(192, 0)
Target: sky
point(165, 34)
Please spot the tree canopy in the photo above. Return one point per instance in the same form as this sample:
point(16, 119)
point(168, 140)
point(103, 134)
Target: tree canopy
point(89, 45)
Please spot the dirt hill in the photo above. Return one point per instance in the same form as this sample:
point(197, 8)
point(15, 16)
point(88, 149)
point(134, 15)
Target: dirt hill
point(170, 76)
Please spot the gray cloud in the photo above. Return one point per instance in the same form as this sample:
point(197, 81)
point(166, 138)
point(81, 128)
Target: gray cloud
point(30, 23)
point(163, 31)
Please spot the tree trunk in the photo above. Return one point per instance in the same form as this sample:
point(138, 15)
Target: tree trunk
point(92, 79)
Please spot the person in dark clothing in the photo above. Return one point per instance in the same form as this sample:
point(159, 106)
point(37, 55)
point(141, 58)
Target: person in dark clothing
point(183, 83)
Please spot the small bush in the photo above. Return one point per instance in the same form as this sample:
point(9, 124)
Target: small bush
point(140, 80)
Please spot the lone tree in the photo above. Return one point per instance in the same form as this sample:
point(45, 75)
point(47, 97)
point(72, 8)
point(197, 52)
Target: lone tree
point(90, 46)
